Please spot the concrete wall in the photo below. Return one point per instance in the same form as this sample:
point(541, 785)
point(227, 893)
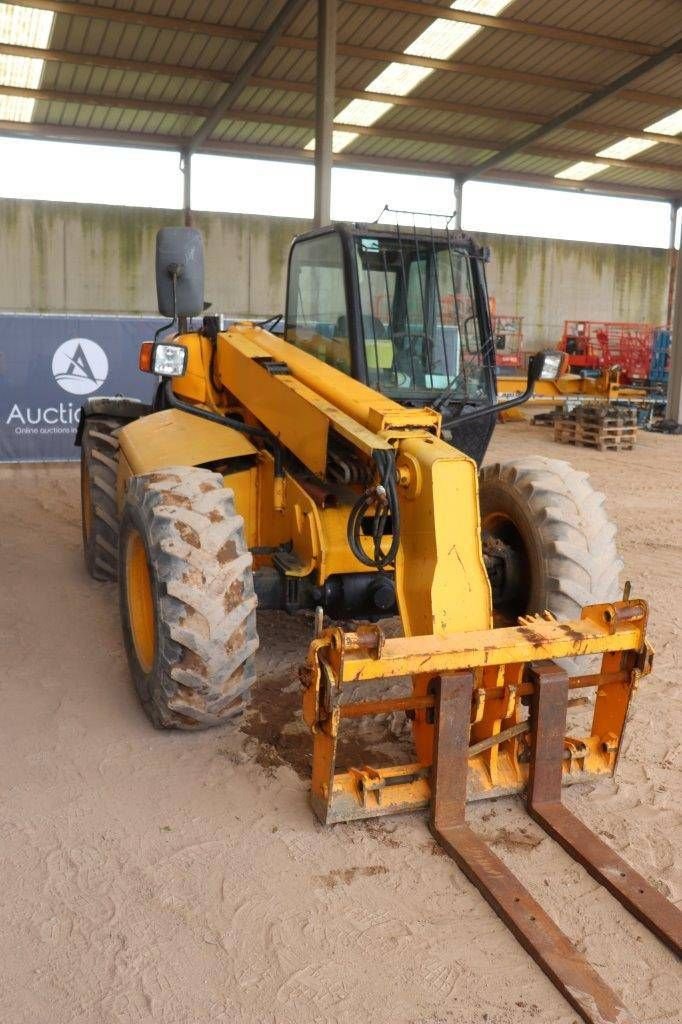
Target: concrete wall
point(63, 257)
point(60, 257)
point(548, 281)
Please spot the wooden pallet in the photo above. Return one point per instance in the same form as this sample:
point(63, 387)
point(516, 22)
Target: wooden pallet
point(602, 438)
point(595, 427)
point(565, 430)
point(591, 420)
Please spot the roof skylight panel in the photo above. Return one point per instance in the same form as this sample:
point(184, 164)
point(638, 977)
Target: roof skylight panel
point(22, 26)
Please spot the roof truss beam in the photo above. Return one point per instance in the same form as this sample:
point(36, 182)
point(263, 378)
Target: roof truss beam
point(423, 10)
point(619, 84)
point(343, 49)
point(379, 130)
point(530, 28)
point(605, 130)
point(180, 71)
point(274, 33)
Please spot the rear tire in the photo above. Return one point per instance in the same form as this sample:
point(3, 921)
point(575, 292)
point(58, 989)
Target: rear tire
point(552, 515)
point(99, 514)
point(188, 607)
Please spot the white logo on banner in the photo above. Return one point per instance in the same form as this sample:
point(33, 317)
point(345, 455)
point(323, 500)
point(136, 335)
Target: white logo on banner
point(80, 366)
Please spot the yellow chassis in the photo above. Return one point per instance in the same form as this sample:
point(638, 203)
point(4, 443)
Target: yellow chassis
point(339, 662)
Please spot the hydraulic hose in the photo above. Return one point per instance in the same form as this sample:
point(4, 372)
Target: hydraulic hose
point(384, 498)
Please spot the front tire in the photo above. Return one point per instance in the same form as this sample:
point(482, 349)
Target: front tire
point(187, 599)
point(563, 540)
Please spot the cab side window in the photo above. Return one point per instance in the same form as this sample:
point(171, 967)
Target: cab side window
point(317, 318)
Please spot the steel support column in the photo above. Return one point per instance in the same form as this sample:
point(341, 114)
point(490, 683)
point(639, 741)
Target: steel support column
point(459, 189)
point(324, 109)
point(186, 168)
point(674, 407)
point(672, 254)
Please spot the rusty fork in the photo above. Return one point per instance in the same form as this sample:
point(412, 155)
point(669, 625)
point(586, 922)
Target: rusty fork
point(550, 697)
point(552, 950)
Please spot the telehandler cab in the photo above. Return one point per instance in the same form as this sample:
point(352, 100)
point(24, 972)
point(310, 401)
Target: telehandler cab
point(337, 469)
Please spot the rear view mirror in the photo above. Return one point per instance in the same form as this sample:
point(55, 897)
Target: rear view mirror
point(180, 272)
point(548, 365)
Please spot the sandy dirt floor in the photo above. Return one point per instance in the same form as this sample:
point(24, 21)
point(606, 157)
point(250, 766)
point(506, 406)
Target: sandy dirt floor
point(181, 879)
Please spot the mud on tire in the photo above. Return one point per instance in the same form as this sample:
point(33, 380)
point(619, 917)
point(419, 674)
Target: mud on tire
point(201, 665)
point(571, 559)
point(99, 514)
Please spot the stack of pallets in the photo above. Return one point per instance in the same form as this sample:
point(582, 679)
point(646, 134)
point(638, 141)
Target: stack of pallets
point(598, 425)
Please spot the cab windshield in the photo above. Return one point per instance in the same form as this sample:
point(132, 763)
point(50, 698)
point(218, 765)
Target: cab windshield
point(419, 321)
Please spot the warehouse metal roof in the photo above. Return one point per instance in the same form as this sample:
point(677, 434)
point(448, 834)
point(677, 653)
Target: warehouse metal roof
point(501, 105)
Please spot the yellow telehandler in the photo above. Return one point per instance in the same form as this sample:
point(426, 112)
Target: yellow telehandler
point(336, 469)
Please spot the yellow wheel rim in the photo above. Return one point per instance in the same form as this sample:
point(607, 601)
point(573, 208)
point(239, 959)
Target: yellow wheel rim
point(140, 601)
point(497, 523)
point(501, 526)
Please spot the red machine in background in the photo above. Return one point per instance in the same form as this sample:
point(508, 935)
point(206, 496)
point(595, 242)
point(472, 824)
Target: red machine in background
point(600, 345)
point(508, 335)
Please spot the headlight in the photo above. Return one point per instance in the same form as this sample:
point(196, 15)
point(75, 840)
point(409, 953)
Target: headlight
point(169, 360)
point(166, 360)
point(552, 365)
point(546, 365)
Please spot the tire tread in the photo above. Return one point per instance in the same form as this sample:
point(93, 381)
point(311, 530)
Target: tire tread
point(207, 604)
point(100, 449)
point(578, 539)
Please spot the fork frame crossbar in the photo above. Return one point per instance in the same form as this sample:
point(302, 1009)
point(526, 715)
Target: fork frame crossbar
point(340, 664)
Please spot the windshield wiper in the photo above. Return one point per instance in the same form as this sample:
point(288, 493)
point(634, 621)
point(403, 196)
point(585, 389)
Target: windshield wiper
point(446, 393)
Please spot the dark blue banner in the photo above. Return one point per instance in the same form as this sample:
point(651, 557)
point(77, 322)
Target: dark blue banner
point(49, 365)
